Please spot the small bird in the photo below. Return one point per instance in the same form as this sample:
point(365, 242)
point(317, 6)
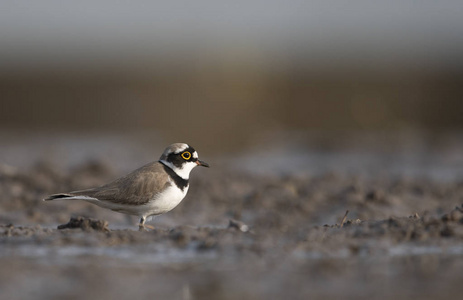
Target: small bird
point(151, 190)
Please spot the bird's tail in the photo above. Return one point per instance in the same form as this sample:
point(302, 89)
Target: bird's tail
point(58, 196)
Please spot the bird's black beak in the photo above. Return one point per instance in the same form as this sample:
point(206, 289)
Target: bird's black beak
point(202, 163)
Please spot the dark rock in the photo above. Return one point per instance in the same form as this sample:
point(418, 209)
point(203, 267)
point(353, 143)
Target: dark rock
point(85, 224)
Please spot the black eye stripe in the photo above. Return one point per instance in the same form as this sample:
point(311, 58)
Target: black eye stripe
point(178, 160)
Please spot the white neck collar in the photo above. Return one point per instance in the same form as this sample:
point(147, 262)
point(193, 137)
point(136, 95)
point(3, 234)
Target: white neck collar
point(183, 172)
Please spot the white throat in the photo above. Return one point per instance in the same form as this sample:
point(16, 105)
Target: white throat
point(183, 172)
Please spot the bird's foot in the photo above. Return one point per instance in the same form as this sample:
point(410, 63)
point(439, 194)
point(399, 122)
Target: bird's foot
point(145, 227)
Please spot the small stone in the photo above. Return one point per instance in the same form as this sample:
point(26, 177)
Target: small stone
point(238, 225)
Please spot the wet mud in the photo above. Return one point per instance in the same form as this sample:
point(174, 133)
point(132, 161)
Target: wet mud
point(237, 235)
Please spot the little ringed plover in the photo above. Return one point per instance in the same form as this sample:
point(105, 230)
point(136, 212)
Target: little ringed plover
point(151, 190)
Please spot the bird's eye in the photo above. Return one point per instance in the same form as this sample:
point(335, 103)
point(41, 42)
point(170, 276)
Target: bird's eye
point(186, 155)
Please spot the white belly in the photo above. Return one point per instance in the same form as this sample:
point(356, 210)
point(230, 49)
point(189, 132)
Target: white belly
point(166, 200)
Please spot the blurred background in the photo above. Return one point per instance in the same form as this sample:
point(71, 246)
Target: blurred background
point(226, 76)
point(303, 108)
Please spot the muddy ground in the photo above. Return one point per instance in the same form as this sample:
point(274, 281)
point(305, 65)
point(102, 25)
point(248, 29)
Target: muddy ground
point(237, 235)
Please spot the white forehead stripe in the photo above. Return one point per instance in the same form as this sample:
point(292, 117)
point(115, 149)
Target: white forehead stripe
point(181, 148)
point(195, 154)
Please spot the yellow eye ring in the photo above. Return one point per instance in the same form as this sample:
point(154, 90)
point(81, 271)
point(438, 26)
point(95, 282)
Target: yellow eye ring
point(186, 155)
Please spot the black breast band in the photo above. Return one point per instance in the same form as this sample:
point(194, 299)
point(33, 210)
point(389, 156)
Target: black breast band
point(179, 181)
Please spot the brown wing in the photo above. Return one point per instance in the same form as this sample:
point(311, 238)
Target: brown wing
point(135, 188)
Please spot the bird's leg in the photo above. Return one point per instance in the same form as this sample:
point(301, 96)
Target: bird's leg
point(142, 226)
